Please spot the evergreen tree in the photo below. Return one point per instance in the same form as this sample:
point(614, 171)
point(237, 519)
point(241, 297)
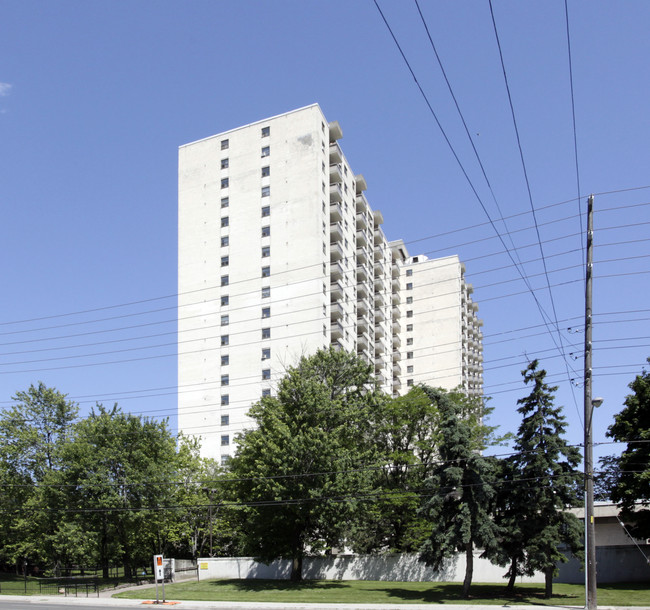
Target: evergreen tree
point(462, 494)
point(632, 485)
point(540, 483)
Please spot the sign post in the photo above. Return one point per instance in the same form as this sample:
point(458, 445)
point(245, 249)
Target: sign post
point(159, 574)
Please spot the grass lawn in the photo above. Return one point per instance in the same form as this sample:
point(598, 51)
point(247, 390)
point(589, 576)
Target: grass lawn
point(366, 591)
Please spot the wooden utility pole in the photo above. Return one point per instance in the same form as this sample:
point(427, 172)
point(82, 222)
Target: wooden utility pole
point(591, 602)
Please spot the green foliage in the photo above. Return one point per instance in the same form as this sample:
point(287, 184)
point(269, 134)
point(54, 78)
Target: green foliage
point(300, 470)
point(32, 434)
point(540, 482)
point(631, 488)
point(461, 488)
point(406, 434)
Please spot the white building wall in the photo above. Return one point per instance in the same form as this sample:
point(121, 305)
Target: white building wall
point(280, 254)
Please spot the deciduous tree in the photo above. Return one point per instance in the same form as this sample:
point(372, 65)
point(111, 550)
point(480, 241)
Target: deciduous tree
point(301, 471)
point(632, 486)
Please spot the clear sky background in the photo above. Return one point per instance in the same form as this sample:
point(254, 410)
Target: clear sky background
point(96, 97)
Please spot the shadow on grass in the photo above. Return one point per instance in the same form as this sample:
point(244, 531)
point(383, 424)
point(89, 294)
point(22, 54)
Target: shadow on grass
point(449, 593)
point(278, 585)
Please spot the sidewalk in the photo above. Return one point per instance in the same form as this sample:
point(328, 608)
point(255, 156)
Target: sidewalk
point(201, 605)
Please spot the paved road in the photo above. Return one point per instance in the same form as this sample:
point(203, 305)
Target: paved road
point(43, 602)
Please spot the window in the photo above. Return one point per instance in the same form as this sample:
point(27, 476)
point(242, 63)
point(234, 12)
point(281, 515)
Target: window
point(266, 132)
point(266, 312)
point(266, 271)
point(266, 292)
point(225, 221)
point(409, 272)
point(266, 171)
point(409, 300)
point(225, 300)
point(266, 353)
point(224, 163)
point(266, 151)
point(409, 355)
point(225, 339)
point(224, 183)
point(225, 360)
point(225, 320)
point(409, 286)
point(266, 251)
point(409, 328)
point(266, 333)
point(224, 144)
point(409, 382)
point(225, 202)
point(266, 374)
point(225, 420)
point(266, 392)
point(409, 341)
point(266, 231)
point(409, 313)
point(225, 241)
point(409, 368)
point(266, 211)
point(225, 379)
point(225, 400)
point(266, 191)
point(224, 280)
point(224, 460)
point(225, 440)
point(225, 261)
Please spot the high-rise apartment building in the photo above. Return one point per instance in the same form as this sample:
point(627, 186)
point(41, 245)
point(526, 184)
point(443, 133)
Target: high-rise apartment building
point(280, 254)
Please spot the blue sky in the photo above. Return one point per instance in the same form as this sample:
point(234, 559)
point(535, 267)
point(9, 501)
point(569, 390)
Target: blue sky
point(96, 97)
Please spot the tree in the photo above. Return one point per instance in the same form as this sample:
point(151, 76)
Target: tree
point(631, 489)
point(461, 489)
point(32, 434)
point(406, 432)
point(118, 485)
point(540, 482)
point(301, 471)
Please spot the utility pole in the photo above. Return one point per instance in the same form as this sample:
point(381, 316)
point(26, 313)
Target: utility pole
point(591, 602)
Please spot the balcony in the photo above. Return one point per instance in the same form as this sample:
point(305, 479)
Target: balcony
point(362, 256)
point(363, 341)
point(363, 353)
point(336, 212)
point(362, 291)
point(336, 231)
point(362, 203)
point(362, 306)
point(380, 238)
point(396, 313)
point(395, 298)
point(362, 221)
point(336, 175)
point(336, 133)
point(397, 355)
point(336, 194)
point(336, 311)
point(379, 284)
point(397, 369)
point(379, 313)
point(362, 273)
point(395, 284)
point(336, 270)
point(397, 328)
point(362, 240)
point(379, 331)
point(362, 324)
point(337, 331)
point(336, 251)
point(397, 384)
point(336, 290)
point(397, 342)
point(380, 301)
point(336, 156)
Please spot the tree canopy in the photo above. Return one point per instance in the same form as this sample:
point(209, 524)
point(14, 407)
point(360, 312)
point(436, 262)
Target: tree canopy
point(631, 488)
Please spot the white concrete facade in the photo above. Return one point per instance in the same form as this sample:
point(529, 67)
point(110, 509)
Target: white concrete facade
point(280, 254)
point(441, 337)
